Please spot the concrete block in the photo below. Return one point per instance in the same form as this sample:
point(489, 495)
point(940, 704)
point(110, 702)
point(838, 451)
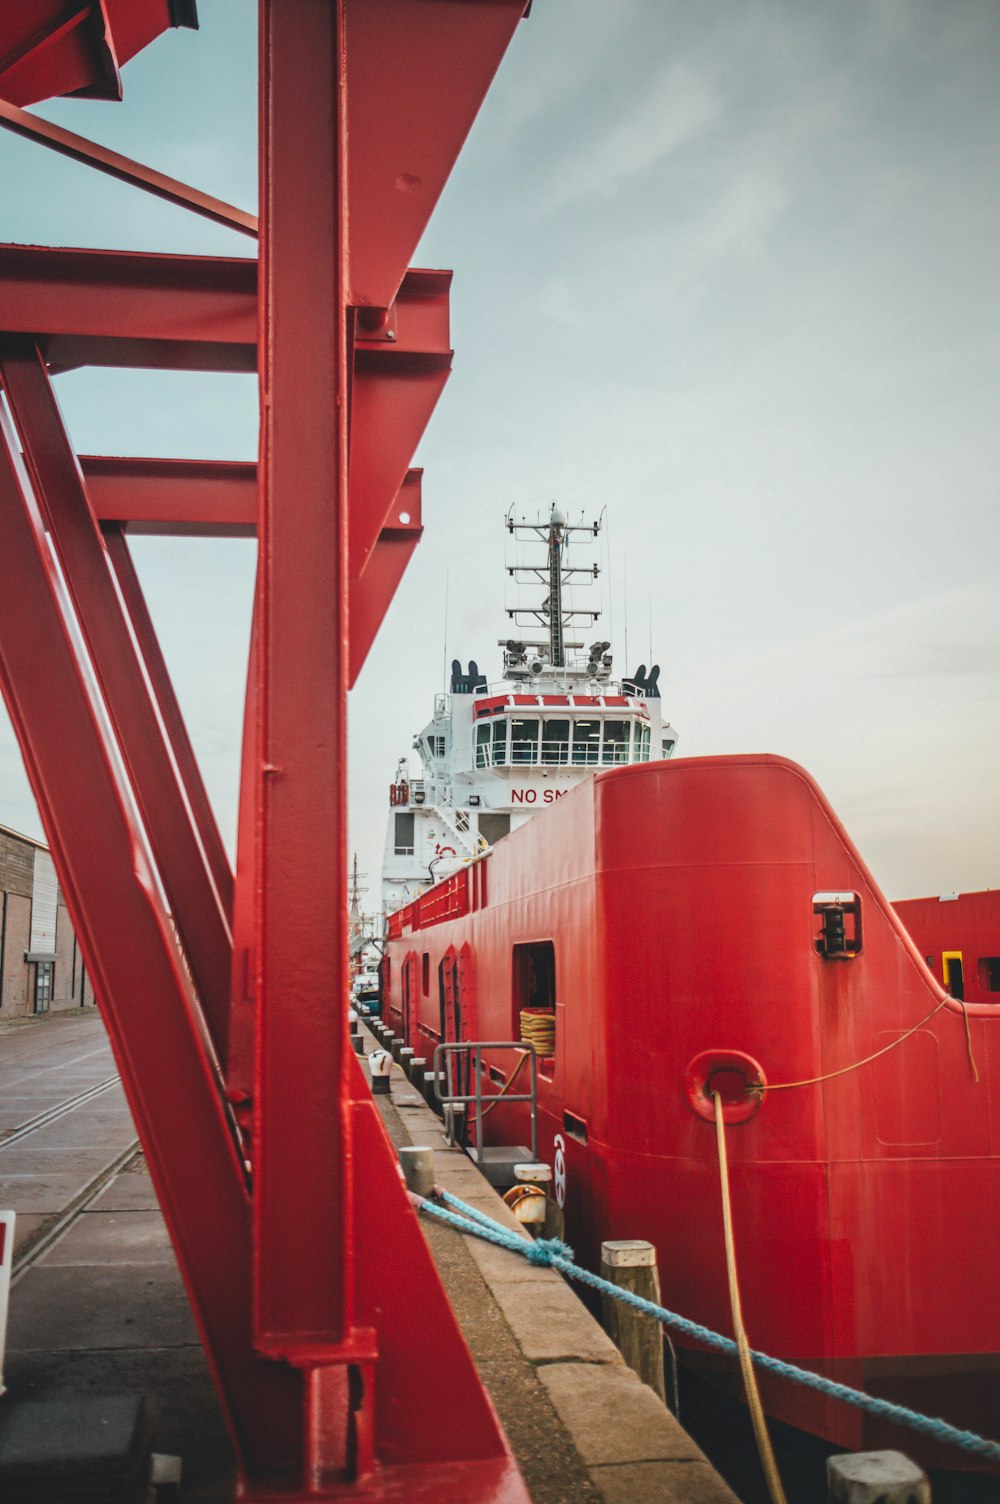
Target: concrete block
point(614, 1417)
point(876, 1478)
point(662, 1483)
point(77, 1449)
point(549, 1323)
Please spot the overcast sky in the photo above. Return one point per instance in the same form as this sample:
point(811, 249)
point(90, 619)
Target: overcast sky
point(728, 269)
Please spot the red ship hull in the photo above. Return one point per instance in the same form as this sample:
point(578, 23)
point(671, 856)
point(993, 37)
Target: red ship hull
point(678, 900)
point(959, 938)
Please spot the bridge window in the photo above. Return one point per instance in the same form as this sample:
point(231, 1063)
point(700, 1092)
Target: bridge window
point(491, 744)
point(523, 741)
point(616, 740)
point(555, 741)
point(642, 744)
point(586, 741)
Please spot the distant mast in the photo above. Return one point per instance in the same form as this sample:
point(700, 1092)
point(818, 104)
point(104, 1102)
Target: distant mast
point(551, 613)
point(556, 650)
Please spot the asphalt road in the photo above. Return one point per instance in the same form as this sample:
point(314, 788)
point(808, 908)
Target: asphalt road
point(64, 1120)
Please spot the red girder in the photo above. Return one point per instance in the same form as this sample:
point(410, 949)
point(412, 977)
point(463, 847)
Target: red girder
point(184, 498)
point(371, 594)
point(196, 904)
point(125, 169)
point(336, 1355)
point(51, 47)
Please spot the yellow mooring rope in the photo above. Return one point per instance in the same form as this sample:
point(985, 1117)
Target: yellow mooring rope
point(761, 1437)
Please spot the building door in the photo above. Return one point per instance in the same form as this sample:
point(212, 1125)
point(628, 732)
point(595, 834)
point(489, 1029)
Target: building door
point(43, 985)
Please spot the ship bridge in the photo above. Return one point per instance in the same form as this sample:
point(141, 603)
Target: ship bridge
point(519, 730)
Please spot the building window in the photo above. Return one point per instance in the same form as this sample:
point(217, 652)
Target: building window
point(43, 985)
point(404, 830)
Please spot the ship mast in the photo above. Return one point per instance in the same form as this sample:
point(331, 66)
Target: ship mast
point(557, 650)
point(524, 659)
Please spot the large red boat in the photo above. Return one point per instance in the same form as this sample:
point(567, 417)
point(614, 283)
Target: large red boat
point(671, 927)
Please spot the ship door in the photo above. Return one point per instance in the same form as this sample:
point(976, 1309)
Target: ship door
point(954, 979)
point(451, 1008)
point(408, 988)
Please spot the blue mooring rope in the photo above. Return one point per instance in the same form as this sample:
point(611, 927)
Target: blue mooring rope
point(554, 1254)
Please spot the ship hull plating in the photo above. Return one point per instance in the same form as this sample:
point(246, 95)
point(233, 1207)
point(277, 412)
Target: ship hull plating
point(675, 916)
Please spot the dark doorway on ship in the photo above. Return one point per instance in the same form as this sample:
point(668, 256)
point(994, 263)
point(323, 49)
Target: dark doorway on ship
point(954, 977)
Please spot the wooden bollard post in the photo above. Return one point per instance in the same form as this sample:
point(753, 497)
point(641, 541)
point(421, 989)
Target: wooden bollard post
point(417, 1164)
point(396, 1048)
point(876, 1478)
point(631, 1265)
point(415, 1068)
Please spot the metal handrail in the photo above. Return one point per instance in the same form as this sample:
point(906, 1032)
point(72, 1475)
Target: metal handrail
point(475, 1048)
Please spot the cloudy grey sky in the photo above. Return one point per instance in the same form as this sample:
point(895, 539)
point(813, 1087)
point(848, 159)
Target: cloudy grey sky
point(728, 269)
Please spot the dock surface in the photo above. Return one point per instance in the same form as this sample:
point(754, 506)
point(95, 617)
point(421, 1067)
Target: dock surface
point(98, 1306)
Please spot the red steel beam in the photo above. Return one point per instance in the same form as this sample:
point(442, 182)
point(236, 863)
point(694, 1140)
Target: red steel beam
point(128, 944)
point(399, 373)
point(371, 594)
point(125, 169)
point(198, 908)
point(171, 717)
point(419, 71)
point(182, 498)
point(304, 1307)
point(125, 308)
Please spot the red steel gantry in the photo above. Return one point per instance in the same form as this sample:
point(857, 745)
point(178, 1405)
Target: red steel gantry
point(336, 1356)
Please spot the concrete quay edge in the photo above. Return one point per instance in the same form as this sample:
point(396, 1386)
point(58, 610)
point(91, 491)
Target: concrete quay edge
point(626, 1447)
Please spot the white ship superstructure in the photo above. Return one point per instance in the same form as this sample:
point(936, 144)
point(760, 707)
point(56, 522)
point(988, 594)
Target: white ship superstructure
point(495, 754)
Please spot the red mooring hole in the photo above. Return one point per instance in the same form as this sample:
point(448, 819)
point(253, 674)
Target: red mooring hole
point(731, 1086)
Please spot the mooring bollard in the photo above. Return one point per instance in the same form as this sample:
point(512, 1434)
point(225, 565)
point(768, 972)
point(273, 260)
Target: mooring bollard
point(415, 1070)
point(430, 1095)
point(554, 1223)
point(876, 1478)
point(631, 1265)
point(405, 1056)
point(417, 1163)
point(396, 1048)
point(380, 1064)
point(454, 1118)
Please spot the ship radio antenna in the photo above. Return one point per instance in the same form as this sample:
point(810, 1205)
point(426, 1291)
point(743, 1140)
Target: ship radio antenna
point(625, 608)
point(444, 650)
point(557, 652)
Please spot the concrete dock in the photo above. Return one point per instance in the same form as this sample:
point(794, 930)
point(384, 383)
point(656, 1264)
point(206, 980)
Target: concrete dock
point(101, 1311)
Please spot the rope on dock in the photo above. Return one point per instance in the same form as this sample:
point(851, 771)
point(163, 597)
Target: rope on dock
point(555, 1254)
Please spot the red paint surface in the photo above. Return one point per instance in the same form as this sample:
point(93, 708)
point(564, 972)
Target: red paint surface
point(337, 1359)
point(969, 924)
point(678, 897)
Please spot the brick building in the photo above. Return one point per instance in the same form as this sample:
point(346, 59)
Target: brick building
point(41, 967)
